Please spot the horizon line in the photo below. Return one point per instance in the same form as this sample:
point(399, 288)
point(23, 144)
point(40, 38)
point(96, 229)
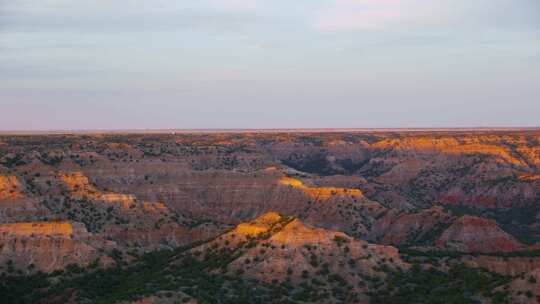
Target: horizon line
point(257, 130)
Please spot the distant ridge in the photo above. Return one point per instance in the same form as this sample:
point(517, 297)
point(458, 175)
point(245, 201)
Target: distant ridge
point(276, 130)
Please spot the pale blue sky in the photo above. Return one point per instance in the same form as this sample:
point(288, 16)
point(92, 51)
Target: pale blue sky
point(96, 64)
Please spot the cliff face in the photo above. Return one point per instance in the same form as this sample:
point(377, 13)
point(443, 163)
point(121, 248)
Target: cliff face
point(397, 227)
point(78, 185)
point(320, 193)
point(15, 205)
point(474, 234)
point(46, 246)
point(62, 229)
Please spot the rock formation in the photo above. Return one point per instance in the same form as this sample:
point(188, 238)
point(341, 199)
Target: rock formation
point(474, 234)
point(48, 246)
point(275, 248)
point(9, 188)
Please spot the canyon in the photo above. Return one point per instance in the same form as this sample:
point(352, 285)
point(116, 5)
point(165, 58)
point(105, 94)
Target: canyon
point(326, 217)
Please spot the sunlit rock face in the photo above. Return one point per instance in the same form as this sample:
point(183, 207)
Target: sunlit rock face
point(320, 193)
point(9, 188)
point(449, 145)
point(529, 177)
point(78, 183)
point(260, 225)
point(15, 204)
point(64, 229)
point(79, 186)
point(48, 246)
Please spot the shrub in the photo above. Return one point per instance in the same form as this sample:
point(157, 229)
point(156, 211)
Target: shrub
point(340, 240)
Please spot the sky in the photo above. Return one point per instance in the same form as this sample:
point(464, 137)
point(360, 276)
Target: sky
point(161, 64)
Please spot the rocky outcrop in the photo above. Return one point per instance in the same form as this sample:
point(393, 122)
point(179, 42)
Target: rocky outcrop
point(49, 246)
point(320, 193)
point(474, 234)
point(529, 177)
point(15, 205)
point(9, 188)
point(62, 229)
point(79, 186)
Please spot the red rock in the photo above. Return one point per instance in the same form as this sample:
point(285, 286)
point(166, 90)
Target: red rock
point(475, 234)
point(408, 227)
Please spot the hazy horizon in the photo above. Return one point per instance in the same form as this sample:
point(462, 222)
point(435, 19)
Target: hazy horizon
point(255, 64)
point(268, 130)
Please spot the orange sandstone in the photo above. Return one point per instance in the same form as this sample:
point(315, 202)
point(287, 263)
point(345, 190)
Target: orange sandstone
point(319, 193)
point(529, 177)
point(154, 206)
point(531, 154)
point(451, 146)
point(259, 225)
point(38, 228)
point(79, 185)
point(9, 188)
point(296, 233)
